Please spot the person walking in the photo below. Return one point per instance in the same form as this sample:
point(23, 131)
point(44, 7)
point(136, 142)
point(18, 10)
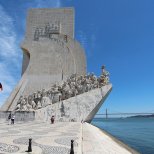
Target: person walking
point(12, 119)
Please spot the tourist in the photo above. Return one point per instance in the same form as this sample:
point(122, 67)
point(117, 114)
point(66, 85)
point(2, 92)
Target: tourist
point(12, 119)
point(52, 119)
point(9, 119)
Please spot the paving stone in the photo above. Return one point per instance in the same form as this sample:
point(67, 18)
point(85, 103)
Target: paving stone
point(66, 141)
point(8, 148)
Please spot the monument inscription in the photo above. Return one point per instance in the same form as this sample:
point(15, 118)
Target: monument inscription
point(47, 30)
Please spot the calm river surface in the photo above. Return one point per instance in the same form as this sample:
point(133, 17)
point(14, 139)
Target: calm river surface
point(138, 133)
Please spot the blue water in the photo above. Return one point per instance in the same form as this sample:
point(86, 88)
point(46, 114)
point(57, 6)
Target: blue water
point(138, 133)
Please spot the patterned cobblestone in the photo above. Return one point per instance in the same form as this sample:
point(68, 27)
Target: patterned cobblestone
point(66, 141)
point(57, 137)
point(8, 148)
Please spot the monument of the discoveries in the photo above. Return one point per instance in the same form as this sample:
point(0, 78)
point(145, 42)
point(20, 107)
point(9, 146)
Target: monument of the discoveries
point(54, 81)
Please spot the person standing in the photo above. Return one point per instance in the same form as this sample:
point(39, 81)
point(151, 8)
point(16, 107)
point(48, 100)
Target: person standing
point(52, 119)
point(9, 119)
point(12, 119)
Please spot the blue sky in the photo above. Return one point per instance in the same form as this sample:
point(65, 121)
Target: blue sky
point(119, 34)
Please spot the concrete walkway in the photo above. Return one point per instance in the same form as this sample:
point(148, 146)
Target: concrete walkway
point(96, 141)
point(56, 138)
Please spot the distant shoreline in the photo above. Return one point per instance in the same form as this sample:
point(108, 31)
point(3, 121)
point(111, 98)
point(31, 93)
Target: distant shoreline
point(142, 116)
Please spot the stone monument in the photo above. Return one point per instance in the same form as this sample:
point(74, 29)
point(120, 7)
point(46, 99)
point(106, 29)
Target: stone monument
point(54, 80)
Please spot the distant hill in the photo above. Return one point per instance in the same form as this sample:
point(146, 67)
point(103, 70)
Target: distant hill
point(142, 116)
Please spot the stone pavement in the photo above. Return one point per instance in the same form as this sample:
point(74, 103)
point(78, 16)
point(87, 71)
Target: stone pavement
point(46, 138)
point(56, 138)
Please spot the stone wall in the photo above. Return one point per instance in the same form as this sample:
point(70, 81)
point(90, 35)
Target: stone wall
point(19, 116)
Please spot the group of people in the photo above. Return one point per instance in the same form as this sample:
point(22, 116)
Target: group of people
point(11, 118)
point(73, 86)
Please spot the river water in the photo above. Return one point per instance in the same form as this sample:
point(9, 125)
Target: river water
point(138, 133)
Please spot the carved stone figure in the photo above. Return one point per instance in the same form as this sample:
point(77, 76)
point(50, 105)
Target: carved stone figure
point(104, 78)
point(33, 104)
point(45, 101)
point(29, 107)
point(39, 105)
point(73, 86)
point(17, 107)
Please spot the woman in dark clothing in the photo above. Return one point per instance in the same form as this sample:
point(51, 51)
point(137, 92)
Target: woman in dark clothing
point(52, 119)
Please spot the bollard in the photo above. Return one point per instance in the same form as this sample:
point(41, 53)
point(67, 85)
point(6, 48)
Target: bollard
point(30, 145)
point(72, 148)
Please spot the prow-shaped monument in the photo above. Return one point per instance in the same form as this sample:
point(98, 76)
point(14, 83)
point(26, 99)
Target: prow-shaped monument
point(54, 80)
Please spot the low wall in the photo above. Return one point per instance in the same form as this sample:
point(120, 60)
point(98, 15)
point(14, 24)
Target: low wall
point(19, 116)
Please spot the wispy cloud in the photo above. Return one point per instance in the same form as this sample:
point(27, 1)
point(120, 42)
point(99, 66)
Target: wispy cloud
point(87, 40)
point(8, 45)
point(6, 78)
point(82, 37)
point(8, 81)
point(93, 31)
point(9, 54)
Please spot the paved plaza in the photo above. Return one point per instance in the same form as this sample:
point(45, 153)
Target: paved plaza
point(46, 138)
point(56, 138)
